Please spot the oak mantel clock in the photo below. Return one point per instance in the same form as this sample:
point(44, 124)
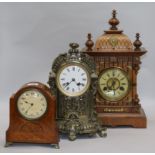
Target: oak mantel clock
point(32, 116)
point(74, 80)
point(118, 62)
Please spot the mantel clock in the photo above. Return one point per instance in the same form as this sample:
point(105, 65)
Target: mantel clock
point(32, 116)
point(117, 62)
point(74, 80)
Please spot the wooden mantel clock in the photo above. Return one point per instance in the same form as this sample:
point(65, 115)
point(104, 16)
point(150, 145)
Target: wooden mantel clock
point(118, 62)
point(32, 116)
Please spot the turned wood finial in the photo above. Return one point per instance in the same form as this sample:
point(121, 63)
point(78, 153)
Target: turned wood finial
point(113, 21)
point(137, 43)
point(89, 43)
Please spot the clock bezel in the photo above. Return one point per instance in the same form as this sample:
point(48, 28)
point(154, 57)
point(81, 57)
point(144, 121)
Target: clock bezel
point(79, 64)
point(28, 89)
point(108, 98)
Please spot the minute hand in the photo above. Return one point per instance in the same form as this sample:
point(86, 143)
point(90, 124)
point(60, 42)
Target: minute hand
point(68, 83)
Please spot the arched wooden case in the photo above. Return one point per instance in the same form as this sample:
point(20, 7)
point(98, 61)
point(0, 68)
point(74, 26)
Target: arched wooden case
point(42, 130)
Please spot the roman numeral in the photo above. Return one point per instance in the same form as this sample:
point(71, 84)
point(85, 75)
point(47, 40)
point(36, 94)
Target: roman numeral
point(108, 75)
point(113, 73)
point(122, 78)
point(104, 78)
point(118, 75)
point(68, 70)
point(32, 93)
point(84, 79)
point(123, 83)
point(82, 84)
point(121, 88)
point(73, 68)
point(82, 74)
point(102, 84)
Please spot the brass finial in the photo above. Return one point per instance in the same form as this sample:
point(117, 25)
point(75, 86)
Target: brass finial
point(113, 21)
point(89, 43)
point(74, 47)
point(137, 43)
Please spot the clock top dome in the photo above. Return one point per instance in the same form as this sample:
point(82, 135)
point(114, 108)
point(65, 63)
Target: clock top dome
point(113, 39)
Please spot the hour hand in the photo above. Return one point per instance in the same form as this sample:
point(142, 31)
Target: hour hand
point(66, 84)
point(31, 105)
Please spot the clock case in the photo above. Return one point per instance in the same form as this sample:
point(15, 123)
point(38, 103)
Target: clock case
point(43, 130)
point(118, 51)
point(76, 115)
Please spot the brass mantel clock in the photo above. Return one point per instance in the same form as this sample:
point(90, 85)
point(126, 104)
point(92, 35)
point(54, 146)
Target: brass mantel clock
point(118, 62)
point(74, 82)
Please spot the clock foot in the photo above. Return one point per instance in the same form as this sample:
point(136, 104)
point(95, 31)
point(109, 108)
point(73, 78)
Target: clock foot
point(56, 146)
point(72, 136)
point(7, 144)
point(102, 132)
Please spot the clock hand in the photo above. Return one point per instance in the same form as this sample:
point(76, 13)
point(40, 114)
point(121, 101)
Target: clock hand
point(68, 83)
point(113, 84)
point(31, 105)
point(27, 102)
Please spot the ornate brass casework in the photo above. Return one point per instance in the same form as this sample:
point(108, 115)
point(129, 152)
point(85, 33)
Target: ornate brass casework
point(76, 114)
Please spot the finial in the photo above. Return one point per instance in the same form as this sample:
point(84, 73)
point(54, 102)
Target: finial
point(113, 21)
point(89, 43)
point(137, 43)
point(74, 47)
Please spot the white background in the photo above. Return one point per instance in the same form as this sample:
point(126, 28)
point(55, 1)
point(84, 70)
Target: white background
point(33, 34)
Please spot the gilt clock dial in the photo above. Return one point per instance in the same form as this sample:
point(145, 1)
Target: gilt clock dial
point(73, 80)
point(32, 104)
point(113, 84)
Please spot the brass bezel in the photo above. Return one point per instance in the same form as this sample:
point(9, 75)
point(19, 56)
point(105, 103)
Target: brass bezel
point(75, 63)
point(32, 119)
point(121, 97)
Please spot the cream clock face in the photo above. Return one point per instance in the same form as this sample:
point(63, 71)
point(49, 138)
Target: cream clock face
point(113, 84)
point(32, 104)
point(73, 80)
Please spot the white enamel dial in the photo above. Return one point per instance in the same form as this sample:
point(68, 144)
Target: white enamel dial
point(73, 80)
point(32, 104)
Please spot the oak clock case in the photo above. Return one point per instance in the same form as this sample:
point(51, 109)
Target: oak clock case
point(73, 80)
point(117, 63)
point(32, 116)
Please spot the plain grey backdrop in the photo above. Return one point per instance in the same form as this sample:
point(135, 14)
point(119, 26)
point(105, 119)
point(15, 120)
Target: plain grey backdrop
point(33, 34)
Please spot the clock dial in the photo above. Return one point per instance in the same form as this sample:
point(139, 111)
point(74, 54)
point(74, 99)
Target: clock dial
point(73, 80)
point(113, 84)
point(32, 104)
